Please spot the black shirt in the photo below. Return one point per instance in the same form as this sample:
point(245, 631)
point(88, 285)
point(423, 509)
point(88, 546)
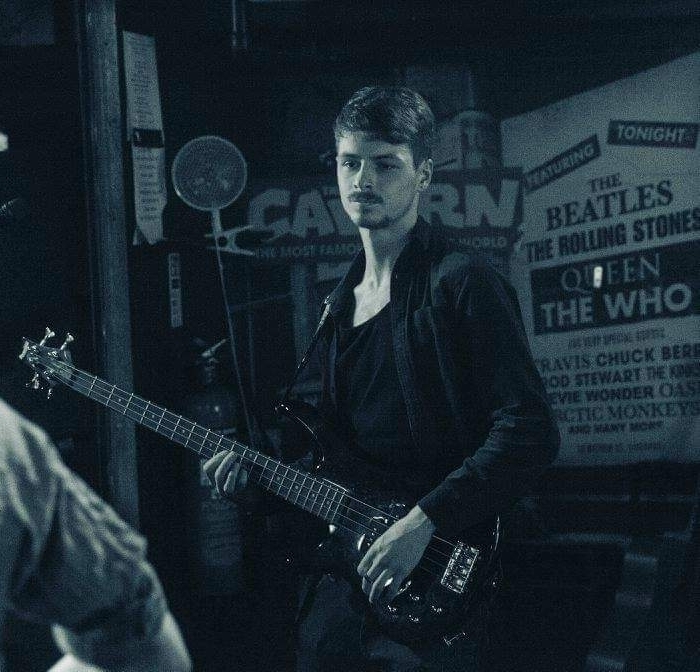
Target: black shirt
point(370, 399)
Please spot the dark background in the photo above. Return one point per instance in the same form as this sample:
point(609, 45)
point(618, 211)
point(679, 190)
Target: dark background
point(568, 563)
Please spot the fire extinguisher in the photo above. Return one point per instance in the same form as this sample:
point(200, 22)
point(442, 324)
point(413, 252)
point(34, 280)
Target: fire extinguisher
point(215, 522)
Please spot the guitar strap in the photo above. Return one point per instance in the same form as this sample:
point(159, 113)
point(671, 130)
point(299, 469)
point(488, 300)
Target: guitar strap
point(309, 351)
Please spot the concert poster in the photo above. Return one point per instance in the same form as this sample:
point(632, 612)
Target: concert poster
point(607, 267)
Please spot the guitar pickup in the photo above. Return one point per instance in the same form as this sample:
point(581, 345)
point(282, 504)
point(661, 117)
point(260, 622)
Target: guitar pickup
point(459, 568)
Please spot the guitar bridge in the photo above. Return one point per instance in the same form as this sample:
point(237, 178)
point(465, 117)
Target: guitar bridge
point(459, 568)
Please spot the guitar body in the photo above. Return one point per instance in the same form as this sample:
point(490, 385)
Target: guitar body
point(431, 603)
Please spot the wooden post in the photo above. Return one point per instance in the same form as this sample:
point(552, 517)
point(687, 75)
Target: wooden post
point(101, 103)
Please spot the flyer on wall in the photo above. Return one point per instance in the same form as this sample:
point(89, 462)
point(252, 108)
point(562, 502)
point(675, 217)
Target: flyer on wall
point(607, 265)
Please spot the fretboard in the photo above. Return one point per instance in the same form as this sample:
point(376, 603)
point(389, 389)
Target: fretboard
point(315, 495)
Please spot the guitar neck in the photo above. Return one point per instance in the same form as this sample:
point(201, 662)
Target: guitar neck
point(317, 496)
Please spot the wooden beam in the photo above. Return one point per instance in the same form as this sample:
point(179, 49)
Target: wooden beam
point(103, 124)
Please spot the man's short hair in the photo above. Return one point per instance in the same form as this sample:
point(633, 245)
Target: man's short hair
point(394, 114)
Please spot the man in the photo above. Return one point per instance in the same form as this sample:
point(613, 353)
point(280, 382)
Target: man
point(426, 368)
point(68, 560)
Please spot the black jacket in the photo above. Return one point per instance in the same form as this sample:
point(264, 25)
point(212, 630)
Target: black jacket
point(478, 413)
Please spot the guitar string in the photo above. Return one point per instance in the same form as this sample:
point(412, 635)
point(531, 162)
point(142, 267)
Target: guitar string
point(267, 472)
point(133, 399)
point(174, 429)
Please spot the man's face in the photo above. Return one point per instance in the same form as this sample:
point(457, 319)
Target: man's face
point(378, 183)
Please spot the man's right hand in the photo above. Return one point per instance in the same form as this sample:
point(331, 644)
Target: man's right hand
point(225, 473)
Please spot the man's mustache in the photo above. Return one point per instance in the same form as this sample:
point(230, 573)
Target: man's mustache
point(364, 198)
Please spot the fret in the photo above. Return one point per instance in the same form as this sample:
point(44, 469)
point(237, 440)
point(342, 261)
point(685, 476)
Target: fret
point(162, 417)
point(321, 498)
point(337, 505)
point(316, 492)
point(318, 495)
point(329, 502)
point(114, 387)
point(254, 461)
point(190, 434)
point(311, 495)
point(126, 408)
point(336, 493)
point(176, 424)
point(289, 487)
point(272, 477)
point(308, 492)
point(326, 501)
point(318, 500)
point(204, 440)
point(143, 415)
point(218, 445)
point(263, 469)
point(266, 467)
point(244, 456)
point(298, 493)
point(94, 380)
point(295, 486)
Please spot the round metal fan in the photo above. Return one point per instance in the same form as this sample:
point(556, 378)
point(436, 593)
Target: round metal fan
point(209, 173)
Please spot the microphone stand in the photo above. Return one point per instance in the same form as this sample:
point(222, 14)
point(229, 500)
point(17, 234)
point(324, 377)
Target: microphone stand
point(255, 434)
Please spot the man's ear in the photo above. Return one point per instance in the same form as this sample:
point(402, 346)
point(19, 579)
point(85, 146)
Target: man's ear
point(425, 174)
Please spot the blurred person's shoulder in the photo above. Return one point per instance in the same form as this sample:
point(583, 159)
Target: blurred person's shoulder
point(18, 434)
point(27, 455)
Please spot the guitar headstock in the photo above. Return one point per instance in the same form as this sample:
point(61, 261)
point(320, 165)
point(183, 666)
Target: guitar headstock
point(50, 365)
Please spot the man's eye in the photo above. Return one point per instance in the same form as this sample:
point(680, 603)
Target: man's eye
point(349, 164)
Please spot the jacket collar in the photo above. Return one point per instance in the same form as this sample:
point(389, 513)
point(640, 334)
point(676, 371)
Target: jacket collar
point(338, 300)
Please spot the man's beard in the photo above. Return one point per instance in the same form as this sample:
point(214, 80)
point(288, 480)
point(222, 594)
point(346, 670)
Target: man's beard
point(383, 223)
point(386, 221)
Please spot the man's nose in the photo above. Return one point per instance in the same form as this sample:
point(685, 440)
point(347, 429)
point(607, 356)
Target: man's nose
point(364, 177)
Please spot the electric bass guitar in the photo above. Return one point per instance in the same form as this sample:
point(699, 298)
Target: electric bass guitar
point(453, 576)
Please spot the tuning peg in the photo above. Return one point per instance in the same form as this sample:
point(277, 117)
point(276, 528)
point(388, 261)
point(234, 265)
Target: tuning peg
point(67, 342)
point(47, 335)
point(35, 382)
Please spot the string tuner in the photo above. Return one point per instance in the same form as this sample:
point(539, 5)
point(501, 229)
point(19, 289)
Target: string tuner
point(49, 333)
point(67, 342)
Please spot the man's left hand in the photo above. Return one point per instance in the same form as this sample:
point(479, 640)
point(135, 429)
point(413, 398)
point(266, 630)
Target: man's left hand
point(394, 555)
